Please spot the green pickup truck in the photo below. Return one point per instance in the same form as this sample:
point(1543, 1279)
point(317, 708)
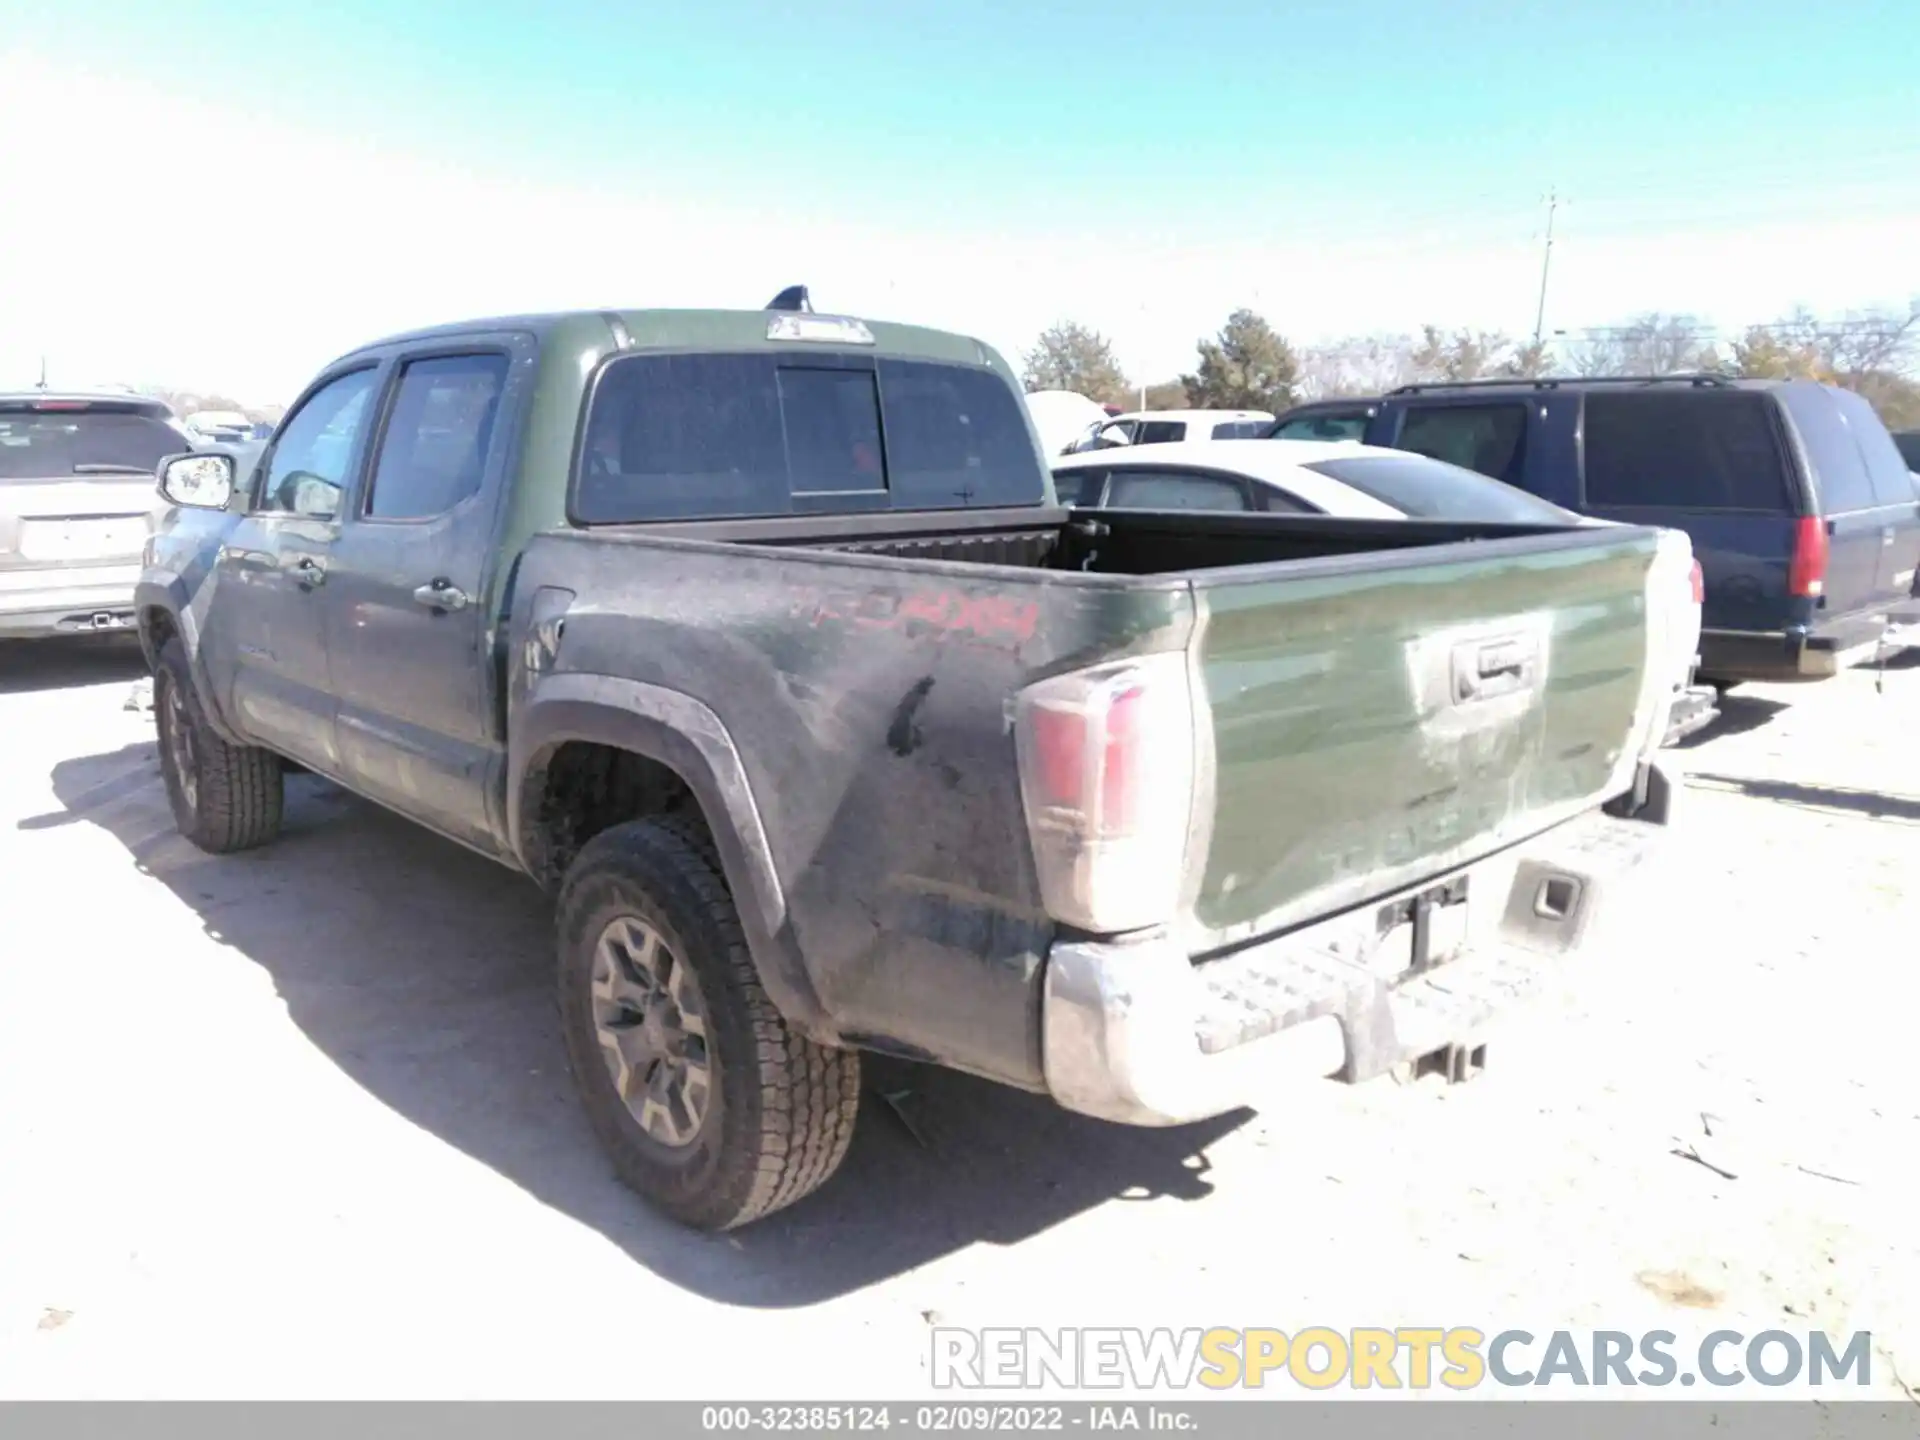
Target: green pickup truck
point(759, 639)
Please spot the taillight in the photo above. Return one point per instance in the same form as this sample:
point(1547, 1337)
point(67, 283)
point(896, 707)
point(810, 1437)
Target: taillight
point(1107, 777)
point(1807, 575)
point(1699, 583)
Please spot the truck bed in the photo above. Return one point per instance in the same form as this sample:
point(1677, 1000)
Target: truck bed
point(1105, 542)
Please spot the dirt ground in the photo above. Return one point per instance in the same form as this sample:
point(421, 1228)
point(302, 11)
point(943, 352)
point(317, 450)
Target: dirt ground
point(296, 1124)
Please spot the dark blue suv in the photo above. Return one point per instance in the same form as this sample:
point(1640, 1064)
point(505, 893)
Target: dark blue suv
point(1801, 509)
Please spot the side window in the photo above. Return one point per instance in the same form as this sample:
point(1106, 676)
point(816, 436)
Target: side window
point(1077, 487)
point(1892, 483)
point(833, 430)
point(1693, 450)
point(1322, 427)
point(435, 447)
point(1160, 432)
point(1278, 501)
point(308, 472)
point(1106, 436)
point(1174, 490)
point(1487, 438)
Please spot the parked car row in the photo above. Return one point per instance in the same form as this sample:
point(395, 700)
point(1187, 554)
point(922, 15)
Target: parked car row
point(1800, 505)
point(77, 503)
point(763, 642)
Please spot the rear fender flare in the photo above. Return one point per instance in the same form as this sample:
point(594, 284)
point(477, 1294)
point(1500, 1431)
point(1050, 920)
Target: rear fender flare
point(677, 731)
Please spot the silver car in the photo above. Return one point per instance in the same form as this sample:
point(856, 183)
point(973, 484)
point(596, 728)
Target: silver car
point(77, 501)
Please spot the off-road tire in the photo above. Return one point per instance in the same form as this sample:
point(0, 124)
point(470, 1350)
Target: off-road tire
point(782, 1109)
point(235, 800)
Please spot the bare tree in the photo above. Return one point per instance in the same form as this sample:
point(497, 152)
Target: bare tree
point(1529, 361)
point(1871, 352)
point(1651, 344)
point(1461, 355)
point(1358, 365)
point(1860, 343)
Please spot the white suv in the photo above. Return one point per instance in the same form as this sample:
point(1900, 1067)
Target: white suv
point(1163, 427)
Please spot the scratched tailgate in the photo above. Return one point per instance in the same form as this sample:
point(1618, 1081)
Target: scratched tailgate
point(1383, 718)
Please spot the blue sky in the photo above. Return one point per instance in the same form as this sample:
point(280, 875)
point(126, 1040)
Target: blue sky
point(1346, 168)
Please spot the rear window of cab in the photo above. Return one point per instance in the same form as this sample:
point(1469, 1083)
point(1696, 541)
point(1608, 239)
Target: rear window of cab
point(692, 436)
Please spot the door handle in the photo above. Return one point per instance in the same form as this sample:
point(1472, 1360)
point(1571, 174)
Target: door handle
point(441, 595)
point(308, 572)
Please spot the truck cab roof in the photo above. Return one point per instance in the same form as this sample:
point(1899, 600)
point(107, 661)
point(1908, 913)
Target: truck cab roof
point(697, 330)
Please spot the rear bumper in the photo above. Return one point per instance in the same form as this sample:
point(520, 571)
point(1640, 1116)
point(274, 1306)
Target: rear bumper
point(56, 602)
point(1136, 1032)
point(1792, 655)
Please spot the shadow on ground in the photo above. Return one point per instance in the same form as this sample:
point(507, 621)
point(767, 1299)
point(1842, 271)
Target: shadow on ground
point(1905, 658)
point(1873, 804)
point(1738, 714)
point(58, 664)
point(423, 971)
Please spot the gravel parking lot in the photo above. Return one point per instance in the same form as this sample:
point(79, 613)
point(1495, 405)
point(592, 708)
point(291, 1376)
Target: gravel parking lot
point(296, 1123)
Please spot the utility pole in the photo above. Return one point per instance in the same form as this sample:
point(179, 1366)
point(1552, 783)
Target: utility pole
point(43, 372)
point(1546, 261)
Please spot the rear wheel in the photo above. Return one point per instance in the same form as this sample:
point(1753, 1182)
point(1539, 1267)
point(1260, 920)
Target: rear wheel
point(224, 797)
point(706, 1102)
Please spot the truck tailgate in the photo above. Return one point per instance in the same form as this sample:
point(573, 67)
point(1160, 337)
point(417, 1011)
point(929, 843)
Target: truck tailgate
point(1379, 719)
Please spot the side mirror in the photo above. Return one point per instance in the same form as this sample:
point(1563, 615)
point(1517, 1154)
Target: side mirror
point(200, 482)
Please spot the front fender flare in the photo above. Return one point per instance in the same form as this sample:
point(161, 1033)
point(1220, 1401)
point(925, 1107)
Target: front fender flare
point(681, 733)
point(165, 592)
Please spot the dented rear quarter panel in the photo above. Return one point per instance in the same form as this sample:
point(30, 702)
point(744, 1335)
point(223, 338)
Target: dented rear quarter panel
point(868, 700)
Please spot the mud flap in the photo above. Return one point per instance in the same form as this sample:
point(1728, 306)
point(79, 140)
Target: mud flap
point(1651, 800)
point(1456, 1064)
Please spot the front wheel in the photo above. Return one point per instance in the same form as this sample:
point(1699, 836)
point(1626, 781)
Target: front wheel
point(706, 1102)
point(224, 797)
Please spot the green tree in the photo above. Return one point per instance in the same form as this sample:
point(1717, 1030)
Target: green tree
point(1789, 350)
point(1072, 356)
point(1247, 366)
